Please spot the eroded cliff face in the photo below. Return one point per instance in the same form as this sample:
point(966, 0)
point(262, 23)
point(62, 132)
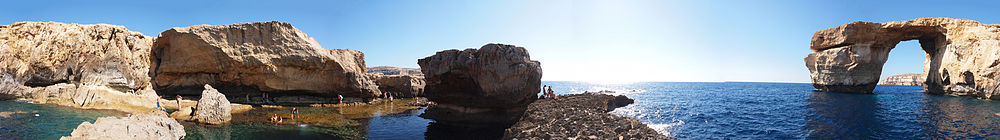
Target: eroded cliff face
point(962, 55)
point(265, 56)
point(909, 79)
point(86, 66)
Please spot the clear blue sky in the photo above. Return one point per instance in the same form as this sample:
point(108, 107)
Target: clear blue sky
point(616, 41)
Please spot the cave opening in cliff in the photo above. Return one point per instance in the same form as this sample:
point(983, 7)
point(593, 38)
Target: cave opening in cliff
point(905, 64)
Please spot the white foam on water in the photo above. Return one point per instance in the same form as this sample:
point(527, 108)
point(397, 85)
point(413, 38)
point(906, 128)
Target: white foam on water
point(665, 128)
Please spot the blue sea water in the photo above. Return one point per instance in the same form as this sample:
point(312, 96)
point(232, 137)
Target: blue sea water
point(739, 110)
point(729, 110)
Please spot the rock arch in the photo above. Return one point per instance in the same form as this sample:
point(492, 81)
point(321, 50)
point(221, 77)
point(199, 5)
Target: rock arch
point(962, 55)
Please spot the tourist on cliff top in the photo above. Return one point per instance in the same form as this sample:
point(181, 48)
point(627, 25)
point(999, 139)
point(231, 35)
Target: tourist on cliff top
point(179, 101)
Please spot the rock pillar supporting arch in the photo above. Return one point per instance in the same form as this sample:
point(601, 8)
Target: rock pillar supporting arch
point(962, 55)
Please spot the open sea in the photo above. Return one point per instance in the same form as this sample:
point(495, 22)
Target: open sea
point(726, 110)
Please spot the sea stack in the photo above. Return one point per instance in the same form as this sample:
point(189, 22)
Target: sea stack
point(270, 57)
point(962, 55)
point(489, 85)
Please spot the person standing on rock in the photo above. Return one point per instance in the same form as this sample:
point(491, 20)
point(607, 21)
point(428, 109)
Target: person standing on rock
point(295, 111)
point(341, 99)
point(248, 98)
point(179, 98)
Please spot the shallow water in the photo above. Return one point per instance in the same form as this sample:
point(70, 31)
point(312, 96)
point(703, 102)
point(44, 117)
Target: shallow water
point(18, 120)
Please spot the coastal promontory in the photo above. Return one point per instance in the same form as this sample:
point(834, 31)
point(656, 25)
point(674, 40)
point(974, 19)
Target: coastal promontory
point(962, 56)
point(909, 79)
point(492, 84)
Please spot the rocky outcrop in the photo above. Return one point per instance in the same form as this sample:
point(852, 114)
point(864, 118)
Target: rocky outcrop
point(962, 55)
point(492, 84)
point(266, 56)
point(405, 86)
point(136, 127)
point(87, 66)
point(387, 70)
point(213, 107)
point(580, 116)
point(909, 79)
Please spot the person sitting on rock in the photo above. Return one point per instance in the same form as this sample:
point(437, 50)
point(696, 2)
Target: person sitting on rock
point(274, 119)
point(158, 107)
point(552, 94)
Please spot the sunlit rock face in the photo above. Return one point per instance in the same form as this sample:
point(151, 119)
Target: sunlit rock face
point(492, 84)
point(265, 56)
point(962, 55)
point(86, 66)
point(909, 79)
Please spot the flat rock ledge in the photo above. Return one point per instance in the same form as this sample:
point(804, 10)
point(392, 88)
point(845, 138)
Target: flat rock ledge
point(580, 116)
point(150, 126)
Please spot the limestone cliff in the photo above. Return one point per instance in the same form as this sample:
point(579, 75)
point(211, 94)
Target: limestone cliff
point(86, 66)
point(909, 79)
point(387, 70)
point(398, 82)
point(962, 57)
point(265, 56)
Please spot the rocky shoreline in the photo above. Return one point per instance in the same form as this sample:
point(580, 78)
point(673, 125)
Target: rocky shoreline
point(580, 116)
point(256, 70)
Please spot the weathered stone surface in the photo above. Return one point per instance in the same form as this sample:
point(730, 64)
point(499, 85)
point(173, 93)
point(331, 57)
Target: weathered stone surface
point(87, 66)
point(492, 84)
point(213, 107)
point(387, 70)
point(154, 126)
point(962, 55)
point(580, 116)
point(405, 86)
point(183, 113)
point(909, 79)
point(267, 56)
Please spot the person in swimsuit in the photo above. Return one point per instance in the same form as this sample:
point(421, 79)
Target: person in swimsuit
point(295, 111)
point(179, 98)
point(158, 107)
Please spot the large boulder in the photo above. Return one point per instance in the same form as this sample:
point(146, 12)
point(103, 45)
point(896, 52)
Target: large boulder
point(400, 85)
point(492, 84)
point(90, 66)
point(153, 126)
point(213, 107)
point(265, 56)
point(962, 55)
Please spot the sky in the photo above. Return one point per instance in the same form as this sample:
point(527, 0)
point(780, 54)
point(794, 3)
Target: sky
point(587, 40)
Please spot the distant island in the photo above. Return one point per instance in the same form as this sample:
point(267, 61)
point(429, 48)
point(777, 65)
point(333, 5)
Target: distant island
point(908, 79)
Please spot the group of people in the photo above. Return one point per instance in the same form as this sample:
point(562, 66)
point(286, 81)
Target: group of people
point(547, 92)
point(278, 120)
point(162, 108)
